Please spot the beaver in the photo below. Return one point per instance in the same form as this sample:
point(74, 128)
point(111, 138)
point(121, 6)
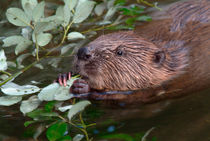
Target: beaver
point(162, 59)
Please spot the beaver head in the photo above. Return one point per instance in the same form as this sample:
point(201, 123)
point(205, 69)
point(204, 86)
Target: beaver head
point(126, 61)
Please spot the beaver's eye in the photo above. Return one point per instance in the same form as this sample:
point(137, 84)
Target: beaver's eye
point(119, 52)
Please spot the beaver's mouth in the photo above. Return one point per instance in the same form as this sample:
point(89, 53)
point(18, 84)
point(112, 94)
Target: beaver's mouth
point(85, 77)
point(86, 70)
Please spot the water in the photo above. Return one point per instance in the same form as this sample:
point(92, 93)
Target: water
point(182, 119)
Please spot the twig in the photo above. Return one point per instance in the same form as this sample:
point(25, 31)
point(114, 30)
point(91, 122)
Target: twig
point(147, 134)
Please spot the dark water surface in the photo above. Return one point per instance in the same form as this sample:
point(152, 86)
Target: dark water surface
point(182, 119)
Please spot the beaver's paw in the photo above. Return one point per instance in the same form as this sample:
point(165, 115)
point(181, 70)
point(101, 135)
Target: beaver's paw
point(80, 86)
point(62, 78)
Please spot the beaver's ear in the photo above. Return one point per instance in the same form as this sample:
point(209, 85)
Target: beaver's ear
point(159, 57)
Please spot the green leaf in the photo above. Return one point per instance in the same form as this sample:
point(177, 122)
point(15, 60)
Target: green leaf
point(29, 105)
point(120, 2)
point(63, 93)
point(3, 61)
point(78, 107)
point(17, 17)
point(71, 3)
point(124, 137)
point(21, 42)
point(41, 114)
point(130, 21)
point(11, 40)
point(26, 32)
point(40, 27)
point(20, 60)
point(27, 123)
point(144, 18)
point(11, 64)
point(75, 36)
point(3, 77)
point(68, 49)
point(99, 9)
point(65, 108)
point(66, 15)
point(22, 45)
point(43, 38)
point(40, 66)
point(36, 113)
point(65, 138)
point(14, 89)
point(54, 62)
point(49, 106)
point(83, 10)
point(56, 92)
point(56, 131)
point(28, 6)
point(78, 137)
point(9, 100)
point(38, 11)
point(110, 13)
point(47, 93)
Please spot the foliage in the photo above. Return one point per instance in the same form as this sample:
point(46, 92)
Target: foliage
point(127, 137)
point(41, 36)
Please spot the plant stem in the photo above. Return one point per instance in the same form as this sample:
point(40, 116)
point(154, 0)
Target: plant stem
point(37, 48)
point(99, 28)
point(17, 73)
point(63, 39)
point(149, 4)
point(84, 127)
point(7, 73)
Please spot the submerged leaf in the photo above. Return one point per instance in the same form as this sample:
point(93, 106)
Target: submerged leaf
point(75, 35)
point(83, 10)
point(78, 107)
point(29, 105)
point(9, 100)
point(14, 89)
point(3, 61)
point(27, 123)
point(57, 131)
point(17, 17)
point(124, 137)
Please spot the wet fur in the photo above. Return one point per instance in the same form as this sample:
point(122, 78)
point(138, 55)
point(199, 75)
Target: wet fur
point(161, 57)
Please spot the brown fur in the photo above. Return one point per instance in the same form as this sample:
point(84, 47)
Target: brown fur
point(164, 58)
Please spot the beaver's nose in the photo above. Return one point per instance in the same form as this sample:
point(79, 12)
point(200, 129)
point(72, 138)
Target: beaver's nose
point(83, 54)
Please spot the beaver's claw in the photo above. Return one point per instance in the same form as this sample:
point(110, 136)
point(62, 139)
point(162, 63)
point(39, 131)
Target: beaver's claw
point(62, 78)
point(80, 86)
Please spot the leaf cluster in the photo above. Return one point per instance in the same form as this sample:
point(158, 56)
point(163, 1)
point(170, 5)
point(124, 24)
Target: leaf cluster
point(42, 35)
